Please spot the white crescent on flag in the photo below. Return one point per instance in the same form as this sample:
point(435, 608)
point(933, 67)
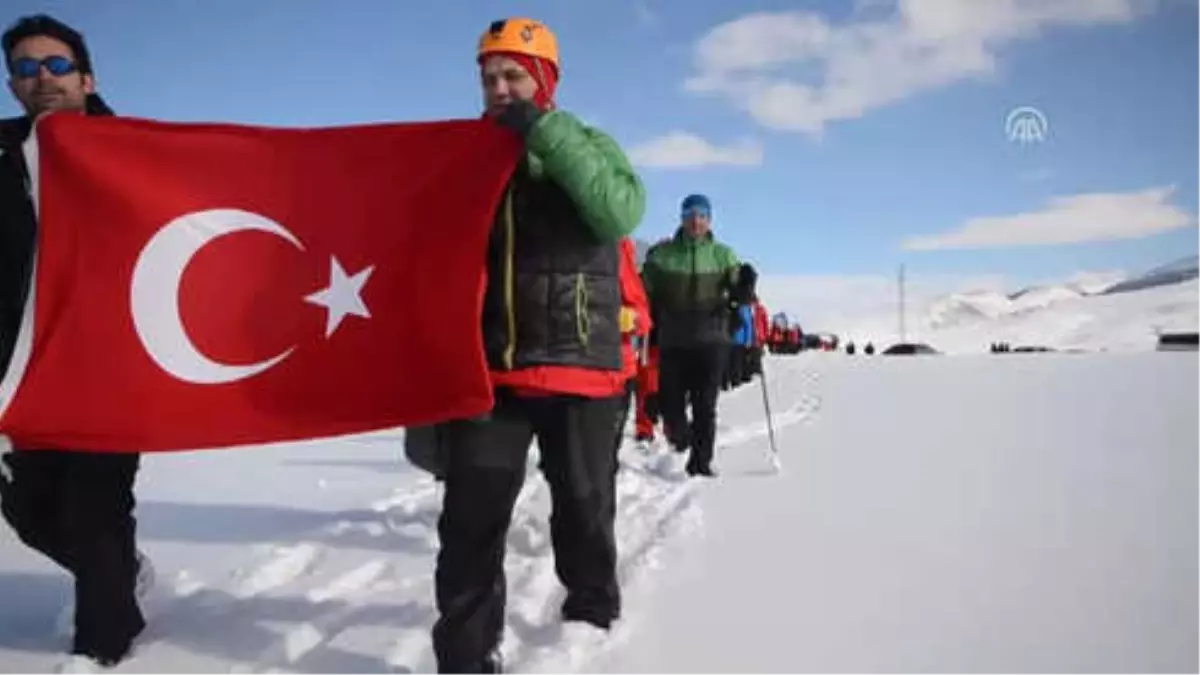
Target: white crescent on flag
point(154, 293)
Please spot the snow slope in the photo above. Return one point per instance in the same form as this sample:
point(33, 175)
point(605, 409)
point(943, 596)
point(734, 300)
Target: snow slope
point(996, 513)
point(1057, 316)
point(948, 514)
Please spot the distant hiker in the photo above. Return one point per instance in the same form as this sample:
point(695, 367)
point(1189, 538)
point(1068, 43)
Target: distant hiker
point(745, 333)
point(647, 405)
point(551, 332)
point(692, 283)
point(75, 507)
point(635, 328)
point(850, 348)
point(778, 337)
point(743, 340)
point(869, 350)
point(795, 339)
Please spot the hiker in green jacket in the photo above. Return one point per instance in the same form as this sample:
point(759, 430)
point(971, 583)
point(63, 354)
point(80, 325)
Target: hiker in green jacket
point(692, 282)
point(552, 336)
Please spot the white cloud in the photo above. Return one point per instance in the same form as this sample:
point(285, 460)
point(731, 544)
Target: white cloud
point(796, 71)
point(683, 150)
point(1103, 216)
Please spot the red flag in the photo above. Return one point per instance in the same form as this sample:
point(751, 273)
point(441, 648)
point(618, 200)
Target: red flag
point(203, 286)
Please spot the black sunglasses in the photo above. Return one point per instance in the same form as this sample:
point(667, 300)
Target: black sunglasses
point(27, 67)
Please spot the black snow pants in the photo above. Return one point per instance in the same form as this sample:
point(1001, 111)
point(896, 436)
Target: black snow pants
point(692, 375)
point(77, 509)
point(739, 366)
point(486, 469)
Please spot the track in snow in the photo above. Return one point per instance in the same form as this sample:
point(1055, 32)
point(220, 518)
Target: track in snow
point(309, 604)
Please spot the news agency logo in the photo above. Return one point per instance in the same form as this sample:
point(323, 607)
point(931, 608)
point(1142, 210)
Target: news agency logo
point(1026, 125)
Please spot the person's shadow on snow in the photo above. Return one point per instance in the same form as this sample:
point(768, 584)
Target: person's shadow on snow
point(258, 523)
point(29, 605)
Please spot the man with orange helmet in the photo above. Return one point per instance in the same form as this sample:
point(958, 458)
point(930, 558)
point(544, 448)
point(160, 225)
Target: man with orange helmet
point(553, 339)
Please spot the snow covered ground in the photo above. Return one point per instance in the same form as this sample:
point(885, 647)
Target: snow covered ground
point(969, 513)
point(1014, 513)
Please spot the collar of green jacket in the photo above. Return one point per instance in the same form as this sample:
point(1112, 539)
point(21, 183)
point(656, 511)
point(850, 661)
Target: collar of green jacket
point(683, 237)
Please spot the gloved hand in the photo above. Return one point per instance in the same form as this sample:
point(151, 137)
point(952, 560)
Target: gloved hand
point(519, 117)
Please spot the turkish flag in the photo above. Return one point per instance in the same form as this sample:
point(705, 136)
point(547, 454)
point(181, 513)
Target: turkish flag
point(203, 286)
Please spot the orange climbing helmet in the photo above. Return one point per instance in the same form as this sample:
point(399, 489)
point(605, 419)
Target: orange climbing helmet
point(520, 36)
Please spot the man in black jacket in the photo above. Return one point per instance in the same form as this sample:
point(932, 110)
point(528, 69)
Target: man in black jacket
point(76, 507)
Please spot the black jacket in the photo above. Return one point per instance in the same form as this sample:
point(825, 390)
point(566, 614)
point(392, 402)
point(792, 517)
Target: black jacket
point(553, 294)
point(18, 226)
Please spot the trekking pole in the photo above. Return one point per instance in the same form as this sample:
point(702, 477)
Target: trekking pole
point(762, 380)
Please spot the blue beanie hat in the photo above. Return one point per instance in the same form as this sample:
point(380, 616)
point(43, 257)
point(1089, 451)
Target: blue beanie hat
point(697, 203)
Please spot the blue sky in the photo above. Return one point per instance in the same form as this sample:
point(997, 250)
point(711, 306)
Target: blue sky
point(827, 133)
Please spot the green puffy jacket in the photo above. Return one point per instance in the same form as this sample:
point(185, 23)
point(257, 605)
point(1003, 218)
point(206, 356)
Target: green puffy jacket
point(690, 283)
point(592, 169)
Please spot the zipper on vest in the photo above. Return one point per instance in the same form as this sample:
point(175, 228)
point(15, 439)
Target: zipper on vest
point(510, 311)
point(583, 326)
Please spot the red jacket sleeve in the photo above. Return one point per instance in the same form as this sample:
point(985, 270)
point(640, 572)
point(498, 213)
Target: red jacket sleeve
point(633, 294)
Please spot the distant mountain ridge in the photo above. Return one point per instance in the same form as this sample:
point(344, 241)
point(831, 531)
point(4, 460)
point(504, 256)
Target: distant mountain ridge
point(957, 309)
point(1179, 271)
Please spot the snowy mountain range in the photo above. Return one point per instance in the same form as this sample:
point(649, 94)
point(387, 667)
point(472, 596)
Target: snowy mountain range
point(1184, 269)
point(1090, 311)
point(1127, 316)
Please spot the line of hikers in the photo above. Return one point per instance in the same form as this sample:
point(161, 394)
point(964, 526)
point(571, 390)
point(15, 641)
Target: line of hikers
point(562, 306)
point(742, 360)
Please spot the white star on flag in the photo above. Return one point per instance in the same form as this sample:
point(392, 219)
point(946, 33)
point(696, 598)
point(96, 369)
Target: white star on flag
point(342, 296)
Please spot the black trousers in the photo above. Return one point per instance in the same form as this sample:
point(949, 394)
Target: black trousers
point(485, 472)
point(739, 366)
point(692, 375)
point(754, 362)
point(77, 509)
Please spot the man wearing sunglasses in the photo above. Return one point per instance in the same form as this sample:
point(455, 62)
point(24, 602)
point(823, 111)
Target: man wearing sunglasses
point(693, 284)
point(76, 507)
